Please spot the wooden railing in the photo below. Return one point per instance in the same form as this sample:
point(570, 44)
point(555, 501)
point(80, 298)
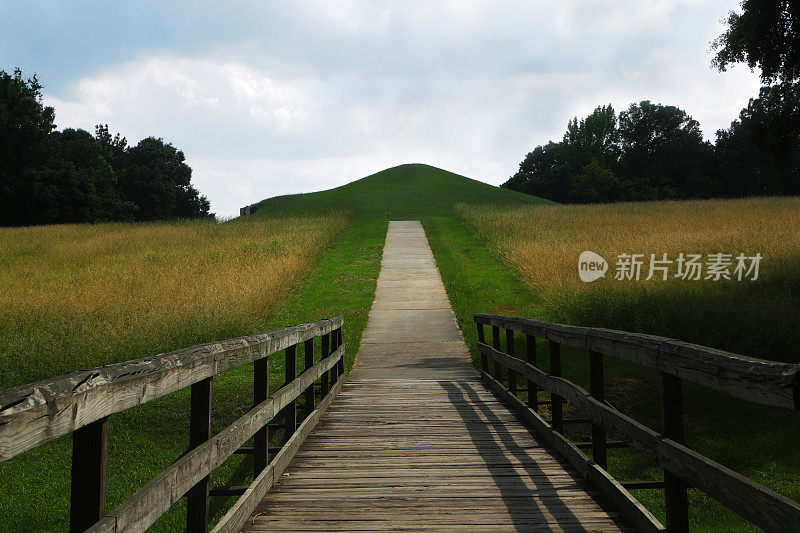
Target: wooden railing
point(756, 380)
point(82, 402)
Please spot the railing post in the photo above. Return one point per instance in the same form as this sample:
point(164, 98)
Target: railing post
point(498, 369)
point(533, 390)
point(199, 432)
point(557, 403)
point(290, 411)
point(596, 388)
point(261, 437)
point(89, 462)
point(323, 387)
point(308, 356)
point(675, 499)
point(335, 368)
point(482, 339)
point(339, 342)
point(512, 377)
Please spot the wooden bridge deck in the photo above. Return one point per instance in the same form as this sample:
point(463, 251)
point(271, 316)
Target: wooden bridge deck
point(424, 454)
point(414, 441)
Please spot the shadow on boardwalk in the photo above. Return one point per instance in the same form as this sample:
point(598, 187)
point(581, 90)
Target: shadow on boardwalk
point(497, 449)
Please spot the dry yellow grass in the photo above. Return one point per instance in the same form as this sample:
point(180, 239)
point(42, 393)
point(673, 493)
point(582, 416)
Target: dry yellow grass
point(75, 296)
point(759, 318)
point(543, 242)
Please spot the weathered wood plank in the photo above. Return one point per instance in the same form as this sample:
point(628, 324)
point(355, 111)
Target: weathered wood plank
point(199, 432)
point(754, 502)
point(630, 507)
point(756, 380)
point(36, 413)
point(88, 484)
point(465, 464)
point(237, 515)
point(139, 511)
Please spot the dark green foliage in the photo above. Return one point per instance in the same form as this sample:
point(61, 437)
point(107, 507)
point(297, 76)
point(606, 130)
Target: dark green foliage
point(26, 148)
point(657, 152)
point(663, 148)
point(760, 153)
point(580, 167)
point(766, 35)
point(49, 177)
point(154, 176)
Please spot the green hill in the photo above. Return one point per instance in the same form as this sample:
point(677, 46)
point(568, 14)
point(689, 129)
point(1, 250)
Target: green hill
point(407, 192)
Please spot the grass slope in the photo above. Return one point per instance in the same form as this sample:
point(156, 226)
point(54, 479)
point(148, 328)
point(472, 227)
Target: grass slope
point(407, 192)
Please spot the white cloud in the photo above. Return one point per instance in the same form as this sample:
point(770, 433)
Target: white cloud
point(336, 90)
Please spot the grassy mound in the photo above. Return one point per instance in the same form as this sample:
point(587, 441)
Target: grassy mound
point(406, 192)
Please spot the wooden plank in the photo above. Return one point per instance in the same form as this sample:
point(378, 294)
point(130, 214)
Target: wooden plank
point(641, 518)
point(676, 501)
point(597, 390)
point(308, 362)
point(260, 394)
point(576, 499)
point(557, 402)
point(290, 411)
point(755, 380)
point(139, 511)
point(528, 483)
point(390, 526)
point(510, 350)
point(756, 503)
point(542, 521)
point(482, 338)
point(36, 413)
point(88, 484)
point(422, 467)
point(498, 370)
point(199, 433)
point(339, 342)
point(238, 514)
point(530, 357)
point(324, 350)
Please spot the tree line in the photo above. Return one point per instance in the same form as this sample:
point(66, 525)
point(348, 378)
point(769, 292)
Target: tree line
point(49, 176)
point(656, 152)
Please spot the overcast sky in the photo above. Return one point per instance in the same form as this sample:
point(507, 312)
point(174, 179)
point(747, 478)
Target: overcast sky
point(269, 98)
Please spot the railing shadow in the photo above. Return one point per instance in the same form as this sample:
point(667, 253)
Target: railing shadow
point(524, 503)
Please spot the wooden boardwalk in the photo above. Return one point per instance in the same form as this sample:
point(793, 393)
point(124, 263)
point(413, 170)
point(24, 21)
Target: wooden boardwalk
point(414, 441)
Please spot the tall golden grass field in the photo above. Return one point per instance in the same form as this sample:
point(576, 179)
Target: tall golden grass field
point(77, 296)
point(756, 316)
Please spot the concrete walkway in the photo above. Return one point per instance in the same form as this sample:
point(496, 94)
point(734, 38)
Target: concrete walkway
point(412, 331)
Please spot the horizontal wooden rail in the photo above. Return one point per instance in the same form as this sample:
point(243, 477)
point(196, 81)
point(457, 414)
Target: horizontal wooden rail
point(142, 509)
point(755, 380)
point(682, 466)
point(81, 402)
point(33, 414)
point(237, 515)
point(641, 518)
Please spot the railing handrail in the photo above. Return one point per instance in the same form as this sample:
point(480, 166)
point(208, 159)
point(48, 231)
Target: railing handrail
point(35, 413)
point(81, 403)
point(143, 508)
point(756, 380)
point(682, 466)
